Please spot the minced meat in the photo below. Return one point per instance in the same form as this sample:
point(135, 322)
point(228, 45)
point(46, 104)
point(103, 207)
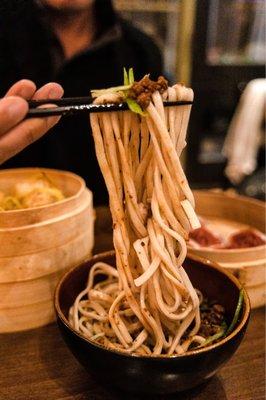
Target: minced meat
point(212, 317)
point(142, 90)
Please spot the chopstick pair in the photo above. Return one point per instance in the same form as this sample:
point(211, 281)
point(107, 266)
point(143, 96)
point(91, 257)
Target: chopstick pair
point(76, 105)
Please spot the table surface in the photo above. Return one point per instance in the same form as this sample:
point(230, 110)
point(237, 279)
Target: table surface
point(36, 364)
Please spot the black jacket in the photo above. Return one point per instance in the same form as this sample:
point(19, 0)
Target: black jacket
point(28, 49)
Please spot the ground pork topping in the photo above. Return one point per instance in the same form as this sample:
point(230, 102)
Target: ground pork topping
point(142, 90)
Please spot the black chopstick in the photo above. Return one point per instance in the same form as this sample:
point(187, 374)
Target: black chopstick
point(64, 101)
point(85, 108)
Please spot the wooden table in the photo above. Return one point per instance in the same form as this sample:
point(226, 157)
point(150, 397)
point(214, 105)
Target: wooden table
point(36, 365)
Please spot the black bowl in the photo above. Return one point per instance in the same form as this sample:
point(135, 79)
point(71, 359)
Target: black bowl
point(159, 374)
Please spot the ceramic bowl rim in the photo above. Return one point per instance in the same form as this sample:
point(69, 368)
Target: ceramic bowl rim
point(190, 353)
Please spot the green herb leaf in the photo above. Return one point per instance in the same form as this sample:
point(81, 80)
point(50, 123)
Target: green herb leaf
point(126, 79)
point(131, 76)
point(135, 107)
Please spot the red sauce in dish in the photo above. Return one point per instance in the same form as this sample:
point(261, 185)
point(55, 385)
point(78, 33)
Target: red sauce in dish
point(204, 237)
point(245, 238)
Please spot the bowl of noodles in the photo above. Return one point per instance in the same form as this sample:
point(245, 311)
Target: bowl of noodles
point(163, 373)
point(145, 318)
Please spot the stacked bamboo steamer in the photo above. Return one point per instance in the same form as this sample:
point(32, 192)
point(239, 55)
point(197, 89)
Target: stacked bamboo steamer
point(228, 212)
point(37, 245)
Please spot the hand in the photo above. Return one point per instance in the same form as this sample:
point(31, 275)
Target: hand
point(16, 134)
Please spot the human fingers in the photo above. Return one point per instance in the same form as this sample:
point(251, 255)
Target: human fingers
point(30, 130)
point(23, 88)
point(51, 90)
point(12, 110)
point(22, 135)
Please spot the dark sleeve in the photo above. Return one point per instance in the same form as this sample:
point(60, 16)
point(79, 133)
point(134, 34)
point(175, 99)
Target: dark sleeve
point(23, 44)
point(146, 56)
point(8, 11)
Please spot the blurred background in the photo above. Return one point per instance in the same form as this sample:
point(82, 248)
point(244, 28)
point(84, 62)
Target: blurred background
point(217, 47)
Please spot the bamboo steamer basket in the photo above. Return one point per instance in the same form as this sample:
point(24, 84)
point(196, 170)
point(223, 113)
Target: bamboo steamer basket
point(38, 245)
point(229, 212)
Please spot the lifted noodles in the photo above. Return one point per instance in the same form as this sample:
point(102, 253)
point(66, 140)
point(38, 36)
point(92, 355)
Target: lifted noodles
point(147, 305)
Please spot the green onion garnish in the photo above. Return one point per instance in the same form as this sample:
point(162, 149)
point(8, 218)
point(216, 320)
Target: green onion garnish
point(124, 89)
point(126, 80)
point(99, 92)
point(214, 337)
point(131, 78)
point(224, 330)
point(135, 107)
point(132, 104)
point(237, 312)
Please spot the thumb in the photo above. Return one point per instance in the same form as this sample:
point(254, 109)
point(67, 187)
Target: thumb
point(12, 110)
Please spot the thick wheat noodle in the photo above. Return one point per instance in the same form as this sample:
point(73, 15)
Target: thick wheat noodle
point(148, 179)
point(95, 306)
point(185, 345)
point(163, 204)
point(126, 170)
point(187, 94)
point(140, 339)
point(100, 267)
point(147, 304)
point(182, 329)
point(113, 322)
point(179, 125)
point(161, 237)
point(172, 114)
point(170, 293)
point(172, 186)
point(131, 300)
point(178, 119)
point(99, 295)
point(84, 329)
point(149, 267)
point(162, 306)
point(171, 232)
point(166, 343)
point(158, 104)
point(145, 140)
point(172, 248)
point(109, 286)
point(116, 208)
point(123, 329)
point(123, 269)
point(160, 160)
point(111, 153)
point(126, 128)
point(156, 330)
point(166, 260)
point(141, 170)
point(128, 181)
point(166, 290)
point(126, 135)
point(134, 143)
point(170, 151)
